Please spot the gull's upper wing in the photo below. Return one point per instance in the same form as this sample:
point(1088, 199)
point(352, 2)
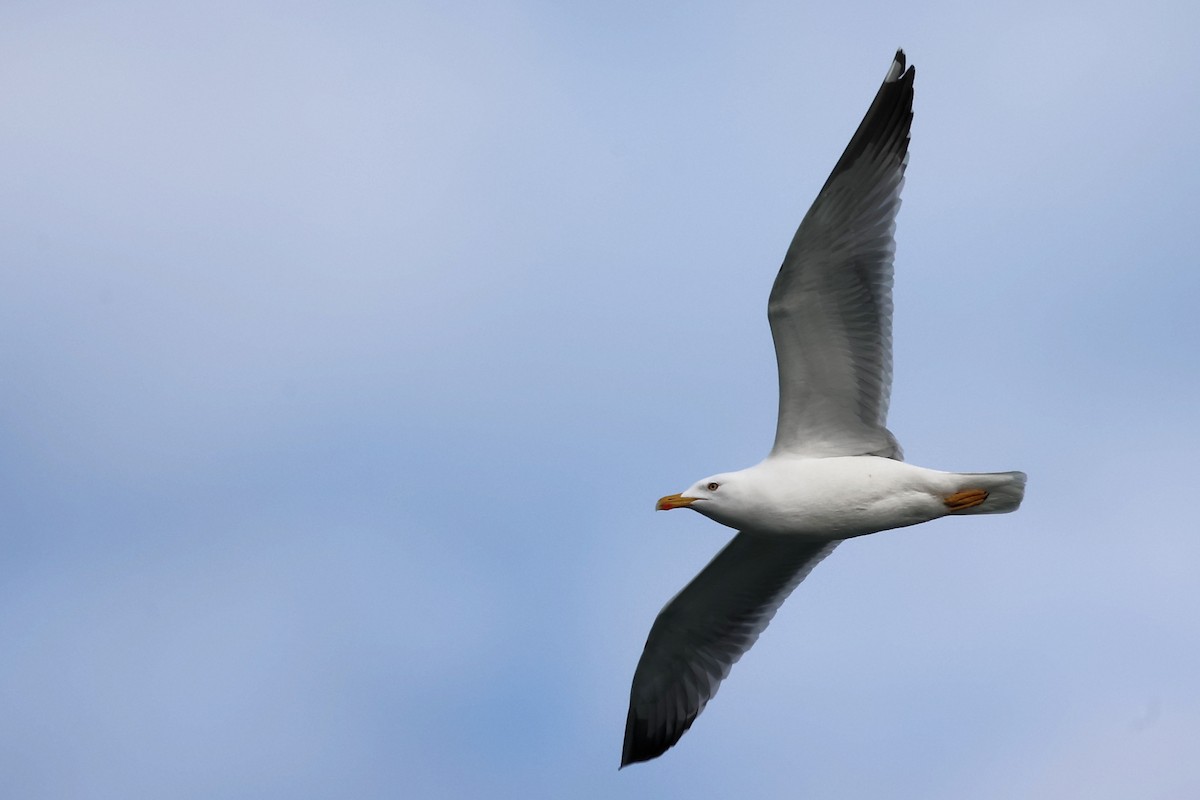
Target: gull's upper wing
point(705, 629)
point(831, 305)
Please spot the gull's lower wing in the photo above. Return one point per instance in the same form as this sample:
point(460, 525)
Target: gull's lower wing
point(707, 627)
point(831, 305)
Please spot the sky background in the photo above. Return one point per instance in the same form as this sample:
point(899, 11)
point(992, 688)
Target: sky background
point(346, 348)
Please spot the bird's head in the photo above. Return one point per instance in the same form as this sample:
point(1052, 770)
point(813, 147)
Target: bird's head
point(718, 497)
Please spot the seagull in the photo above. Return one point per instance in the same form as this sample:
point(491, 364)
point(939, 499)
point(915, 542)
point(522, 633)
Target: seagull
point(835, 471)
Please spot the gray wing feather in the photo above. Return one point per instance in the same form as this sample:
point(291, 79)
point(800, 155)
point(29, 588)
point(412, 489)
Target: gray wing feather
point(705, 629)
point(831, 306)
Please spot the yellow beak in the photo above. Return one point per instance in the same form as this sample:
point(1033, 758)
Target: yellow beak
point(674, 501)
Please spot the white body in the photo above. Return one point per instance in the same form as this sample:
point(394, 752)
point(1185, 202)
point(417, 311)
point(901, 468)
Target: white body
point(841, 497)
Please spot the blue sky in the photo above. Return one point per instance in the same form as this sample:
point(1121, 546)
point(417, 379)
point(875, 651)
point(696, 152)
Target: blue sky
point(346, 350)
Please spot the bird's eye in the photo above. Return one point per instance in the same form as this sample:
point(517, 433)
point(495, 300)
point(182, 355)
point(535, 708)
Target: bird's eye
point(712, 487)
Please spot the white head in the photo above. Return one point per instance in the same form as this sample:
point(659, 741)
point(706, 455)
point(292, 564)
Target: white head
point(725, 498)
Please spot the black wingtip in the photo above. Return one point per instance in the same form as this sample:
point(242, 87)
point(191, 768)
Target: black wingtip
point(896, 69)
point(639, 746)
point(887, 121)
point(644, 751)
point(627, 749)
point(646, 742)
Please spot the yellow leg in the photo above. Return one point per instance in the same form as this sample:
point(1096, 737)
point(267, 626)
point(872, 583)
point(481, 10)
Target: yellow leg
point(967, 498)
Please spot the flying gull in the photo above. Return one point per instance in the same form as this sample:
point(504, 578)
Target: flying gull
point(835, 470)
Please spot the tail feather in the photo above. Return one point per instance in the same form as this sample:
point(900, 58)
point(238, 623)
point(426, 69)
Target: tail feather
point(1005, 491)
